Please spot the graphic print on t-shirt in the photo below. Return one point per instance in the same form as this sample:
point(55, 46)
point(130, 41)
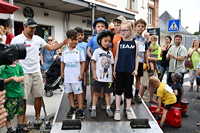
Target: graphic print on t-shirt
point(105, 64)
point(72, 60)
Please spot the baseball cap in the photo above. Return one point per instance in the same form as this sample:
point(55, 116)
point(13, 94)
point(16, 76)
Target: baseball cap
point(100, 20)
point(30, 22)
point(121, 18)
point(177, 77)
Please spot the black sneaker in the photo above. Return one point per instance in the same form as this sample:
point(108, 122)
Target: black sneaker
point(138, 99)
point(71, 112)
point(79, 114)
point(10, 131)
point(20, 130)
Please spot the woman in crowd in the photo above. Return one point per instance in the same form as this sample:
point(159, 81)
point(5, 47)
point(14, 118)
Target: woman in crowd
point(47, 57)
point(2, 35)
point(164, 64)
point(194, 55)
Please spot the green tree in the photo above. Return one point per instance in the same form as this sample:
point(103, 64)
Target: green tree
point(196, 33)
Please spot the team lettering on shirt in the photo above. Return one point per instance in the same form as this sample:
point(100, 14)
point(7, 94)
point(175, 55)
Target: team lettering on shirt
point(126, 46)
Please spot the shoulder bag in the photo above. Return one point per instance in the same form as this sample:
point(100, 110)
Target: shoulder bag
point(188, 63)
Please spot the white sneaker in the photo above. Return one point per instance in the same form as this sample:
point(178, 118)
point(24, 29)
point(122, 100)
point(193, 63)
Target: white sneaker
point(117, 116)
point(129, 115)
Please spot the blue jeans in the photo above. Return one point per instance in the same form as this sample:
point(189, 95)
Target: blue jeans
point(162, 71)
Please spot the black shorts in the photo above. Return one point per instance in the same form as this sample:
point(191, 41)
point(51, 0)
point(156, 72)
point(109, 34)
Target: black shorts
point(168, 107)
point(171, 81)
point(124, 82)
point(140, 69)
point(108, 87)
point(114, 86)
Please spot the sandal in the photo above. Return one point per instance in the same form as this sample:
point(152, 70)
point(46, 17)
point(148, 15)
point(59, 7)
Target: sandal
point(191, 89)
point(84, 103)
point(75, 103)
point(25, 127)
point(198, 123)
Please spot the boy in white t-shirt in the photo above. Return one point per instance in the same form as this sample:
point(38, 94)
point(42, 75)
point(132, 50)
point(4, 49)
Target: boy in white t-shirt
point(102, 69)
point(72, 70)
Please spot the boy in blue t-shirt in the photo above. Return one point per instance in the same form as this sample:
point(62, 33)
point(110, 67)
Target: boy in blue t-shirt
point(140, 27)
point(85, 81)
point(99, 25)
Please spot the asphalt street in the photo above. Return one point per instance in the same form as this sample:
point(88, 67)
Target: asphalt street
point(188, 124)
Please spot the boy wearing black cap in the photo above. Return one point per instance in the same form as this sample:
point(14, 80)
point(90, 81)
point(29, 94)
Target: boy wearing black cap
point(102, 68)
point(99, 25)
point(176, 77)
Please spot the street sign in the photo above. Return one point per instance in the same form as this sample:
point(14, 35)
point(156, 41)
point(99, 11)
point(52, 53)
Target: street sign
point(173, 25)
point(154, 31)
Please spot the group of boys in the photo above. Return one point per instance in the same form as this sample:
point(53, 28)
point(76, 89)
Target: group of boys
point(100, 25)
point(69, 62)
point(74, 70)
point(167, 95)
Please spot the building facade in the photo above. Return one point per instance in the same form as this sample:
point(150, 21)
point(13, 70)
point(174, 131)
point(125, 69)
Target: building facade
point(55, 17)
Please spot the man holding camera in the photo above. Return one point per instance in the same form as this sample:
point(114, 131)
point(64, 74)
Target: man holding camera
point(32, 75)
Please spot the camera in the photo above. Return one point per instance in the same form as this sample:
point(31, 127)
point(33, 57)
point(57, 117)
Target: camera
point(9, 53)
point(1, 84)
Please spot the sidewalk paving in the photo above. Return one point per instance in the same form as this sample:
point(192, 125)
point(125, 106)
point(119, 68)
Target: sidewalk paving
point(51, 105)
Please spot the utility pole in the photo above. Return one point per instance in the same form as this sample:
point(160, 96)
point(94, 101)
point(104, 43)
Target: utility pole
point(199, 26)
point(12, 19)
point(180, 16)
